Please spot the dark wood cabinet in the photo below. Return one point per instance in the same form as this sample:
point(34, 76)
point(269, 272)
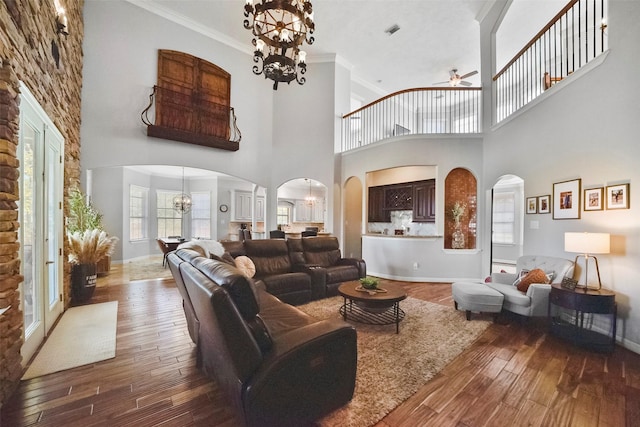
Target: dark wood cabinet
point(377, 211)
point(398, 197)
point(419, 197)
point(568, 309)
point(424, 201)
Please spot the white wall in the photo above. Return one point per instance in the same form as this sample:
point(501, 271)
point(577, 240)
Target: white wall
point(587, 129)
point(120, 66)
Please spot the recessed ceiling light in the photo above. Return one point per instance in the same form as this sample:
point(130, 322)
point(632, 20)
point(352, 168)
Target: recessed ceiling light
point(392, 29)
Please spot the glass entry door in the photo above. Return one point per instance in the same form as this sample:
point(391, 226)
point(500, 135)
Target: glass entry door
point(40, 151)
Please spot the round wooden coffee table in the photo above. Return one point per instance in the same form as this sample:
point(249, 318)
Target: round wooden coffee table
point(374, 308)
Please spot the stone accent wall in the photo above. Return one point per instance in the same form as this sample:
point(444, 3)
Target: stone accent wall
point(50, 65)
point(460, 186)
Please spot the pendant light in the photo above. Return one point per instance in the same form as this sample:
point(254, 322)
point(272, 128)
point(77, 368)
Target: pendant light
point(182, 203)
point(310, 199)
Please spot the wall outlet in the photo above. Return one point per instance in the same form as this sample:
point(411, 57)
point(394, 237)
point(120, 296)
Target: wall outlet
point(415, 265)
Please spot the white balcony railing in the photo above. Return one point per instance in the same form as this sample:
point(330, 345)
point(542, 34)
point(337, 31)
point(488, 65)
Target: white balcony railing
point(575, 36)
point(419, 111)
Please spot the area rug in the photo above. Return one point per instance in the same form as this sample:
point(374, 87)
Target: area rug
point(391, 367)
point(147, 269)
point(84, 335)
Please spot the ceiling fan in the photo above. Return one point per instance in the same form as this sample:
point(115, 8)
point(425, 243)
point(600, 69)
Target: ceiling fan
point(456, 79)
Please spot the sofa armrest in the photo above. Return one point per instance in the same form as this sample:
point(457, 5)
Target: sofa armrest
point(358, 263)
point(309, 372)
point(318, 278)
point(539, 294)
point(504, 278)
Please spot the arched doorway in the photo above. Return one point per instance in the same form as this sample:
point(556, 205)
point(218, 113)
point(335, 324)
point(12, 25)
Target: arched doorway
point(302, 203)
point(507, 223)
point(352, 203)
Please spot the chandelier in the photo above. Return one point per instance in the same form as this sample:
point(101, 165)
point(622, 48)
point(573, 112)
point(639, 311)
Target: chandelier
point(279, 28)
point(310, 200)
point(182, 203)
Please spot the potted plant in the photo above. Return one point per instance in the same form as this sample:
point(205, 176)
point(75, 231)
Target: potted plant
point(369, 283)
point(457, 238)
point(88, 244)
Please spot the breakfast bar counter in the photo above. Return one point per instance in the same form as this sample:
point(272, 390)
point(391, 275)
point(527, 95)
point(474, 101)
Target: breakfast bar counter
point(418, 259)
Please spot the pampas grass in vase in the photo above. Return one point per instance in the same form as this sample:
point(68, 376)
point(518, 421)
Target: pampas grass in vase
point(90, 246)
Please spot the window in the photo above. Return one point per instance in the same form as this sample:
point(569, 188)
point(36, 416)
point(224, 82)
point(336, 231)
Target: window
point(138, 212)
point(169, 220)
point(284, 214)
point(201, 215)
point(503, 217)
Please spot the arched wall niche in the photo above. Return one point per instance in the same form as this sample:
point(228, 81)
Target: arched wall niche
point(461, 188)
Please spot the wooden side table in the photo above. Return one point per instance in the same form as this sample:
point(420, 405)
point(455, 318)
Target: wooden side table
point(579, 302)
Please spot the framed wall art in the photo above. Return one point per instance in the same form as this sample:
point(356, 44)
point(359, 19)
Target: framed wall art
point(566, 199)
point(544, 204)
point(618, 196)
point(532, 205)
point(594, 199)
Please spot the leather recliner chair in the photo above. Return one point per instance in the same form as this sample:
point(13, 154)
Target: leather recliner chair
point(323, 253)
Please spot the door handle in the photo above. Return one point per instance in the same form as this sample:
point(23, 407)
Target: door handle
point(49, 262)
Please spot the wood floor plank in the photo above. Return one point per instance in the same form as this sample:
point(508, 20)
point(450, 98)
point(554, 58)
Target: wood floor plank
point(586, 410)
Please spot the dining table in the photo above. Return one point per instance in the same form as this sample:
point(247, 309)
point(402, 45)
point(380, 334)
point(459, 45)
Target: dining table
point(172, 242)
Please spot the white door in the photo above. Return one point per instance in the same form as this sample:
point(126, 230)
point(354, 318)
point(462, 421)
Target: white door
point(40, 151)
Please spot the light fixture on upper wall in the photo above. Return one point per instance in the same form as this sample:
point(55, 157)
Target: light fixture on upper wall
point(587, 244)
point(182, 203)
point(279, 28)
point(61, 20)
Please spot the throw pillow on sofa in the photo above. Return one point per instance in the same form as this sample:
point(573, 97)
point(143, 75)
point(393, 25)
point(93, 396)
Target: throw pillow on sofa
point(521, 275)
point(226, 257)
point(534, 276)
point(246, 266)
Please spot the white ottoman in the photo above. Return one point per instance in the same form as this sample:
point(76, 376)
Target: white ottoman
point(476, 296)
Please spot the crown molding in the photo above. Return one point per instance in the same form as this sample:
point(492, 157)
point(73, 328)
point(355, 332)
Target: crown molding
point(179, 19)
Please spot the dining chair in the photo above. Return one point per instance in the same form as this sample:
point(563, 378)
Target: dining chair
point(165, 251)
point(276, 234)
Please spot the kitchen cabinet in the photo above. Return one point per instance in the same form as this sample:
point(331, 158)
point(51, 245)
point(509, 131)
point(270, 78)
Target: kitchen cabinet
point(377, 211)
point(424, 201)
point(242, 206)
point(304, 212)
point(260, 208)
point(419, 197)
point(318, 211)
point(398, 197)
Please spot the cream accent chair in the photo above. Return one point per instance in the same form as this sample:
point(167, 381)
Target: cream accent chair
point(536, 301)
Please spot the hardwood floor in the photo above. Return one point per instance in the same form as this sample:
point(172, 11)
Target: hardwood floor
point(515, 374)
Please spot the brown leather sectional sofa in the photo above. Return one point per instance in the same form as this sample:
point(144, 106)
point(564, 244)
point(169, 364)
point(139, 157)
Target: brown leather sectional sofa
point(277, 365)
point(283, 264)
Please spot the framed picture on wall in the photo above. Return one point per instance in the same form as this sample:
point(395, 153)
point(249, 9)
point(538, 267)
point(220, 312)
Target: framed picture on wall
point(566, 199)
point(593, 199)
point(544, 204)
point(532, 205)
point(618, 196)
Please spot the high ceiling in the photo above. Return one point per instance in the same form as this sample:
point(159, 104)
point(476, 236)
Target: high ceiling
point(434, 36)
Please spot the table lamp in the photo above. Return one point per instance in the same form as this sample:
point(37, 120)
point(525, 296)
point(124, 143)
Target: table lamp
point(587, 244)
